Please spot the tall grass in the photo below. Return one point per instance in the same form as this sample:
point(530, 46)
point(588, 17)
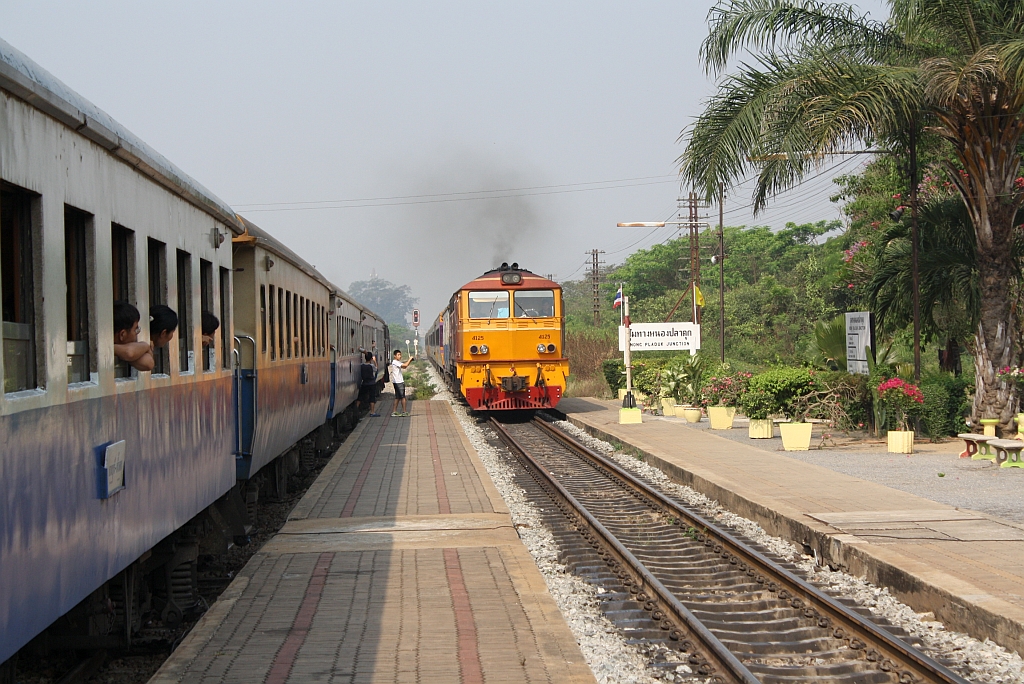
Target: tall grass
point(586, 350)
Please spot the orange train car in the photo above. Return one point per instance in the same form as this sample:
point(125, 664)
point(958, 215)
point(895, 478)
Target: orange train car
point(500, 343)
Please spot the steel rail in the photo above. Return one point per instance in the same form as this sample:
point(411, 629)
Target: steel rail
point(890, 652)
point(717, 655)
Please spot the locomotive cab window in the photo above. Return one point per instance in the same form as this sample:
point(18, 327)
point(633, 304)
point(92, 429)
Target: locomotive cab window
point(488, 304)
point(17, 288)
point(534, 303)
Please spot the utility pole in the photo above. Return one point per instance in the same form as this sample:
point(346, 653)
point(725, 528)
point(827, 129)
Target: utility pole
point(721, 270)
point(694, 224)
point(595, 281)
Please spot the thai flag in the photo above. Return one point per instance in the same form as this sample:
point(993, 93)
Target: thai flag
point(618, 299)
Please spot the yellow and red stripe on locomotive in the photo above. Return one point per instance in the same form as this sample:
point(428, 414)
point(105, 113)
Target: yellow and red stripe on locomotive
point(500, 343)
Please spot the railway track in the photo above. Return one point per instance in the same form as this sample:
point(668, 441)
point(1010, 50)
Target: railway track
point(677, 579)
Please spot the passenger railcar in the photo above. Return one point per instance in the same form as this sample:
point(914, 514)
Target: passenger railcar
point(90, 214)
point(500, 343)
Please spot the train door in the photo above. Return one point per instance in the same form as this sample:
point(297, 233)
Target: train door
point(244, 353)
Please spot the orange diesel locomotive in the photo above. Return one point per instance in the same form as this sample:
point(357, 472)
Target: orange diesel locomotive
point(501, 341)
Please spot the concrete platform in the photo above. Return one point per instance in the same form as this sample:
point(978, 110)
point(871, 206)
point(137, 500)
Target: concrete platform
point(400, 564)
point(965, 566)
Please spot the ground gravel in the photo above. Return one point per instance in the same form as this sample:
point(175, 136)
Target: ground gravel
point(979, 661)
point(612, 660)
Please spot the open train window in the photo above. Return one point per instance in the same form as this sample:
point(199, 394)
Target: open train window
point(280, 322)
point(122, 267)
point(307, 327)
point(78, 245)
point(273, 326)
point(488, 304)
point(288, 322)
point(295, 325)
point(225, 317)
point(206, 307)
point(300, 324)
point(156, 259)
point(263, 319)
point(534, 303)
point(18, 245)
point(186, 360)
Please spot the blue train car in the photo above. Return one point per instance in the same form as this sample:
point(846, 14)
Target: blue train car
point(112, 480)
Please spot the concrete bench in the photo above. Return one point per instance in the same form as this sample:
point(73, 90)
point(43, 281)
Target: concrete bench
point(976, 447)
point(1008, 452)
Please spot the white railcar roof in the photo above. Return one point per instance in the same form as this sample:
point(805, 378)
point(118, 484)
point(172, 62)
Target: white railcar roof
point(28, 81)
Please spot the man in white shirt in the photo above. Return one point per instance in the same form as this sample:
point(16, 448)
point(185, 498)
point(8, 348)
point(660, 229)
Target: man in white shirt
point(398, 380)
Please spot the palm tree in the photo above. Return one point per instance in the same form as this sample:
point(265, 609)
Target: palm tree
point(825, 78)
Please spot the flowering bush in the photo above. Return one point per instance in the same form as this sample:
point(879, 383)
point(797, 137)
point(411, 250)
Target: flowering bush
point(725, 390)
point(1010, 374)
point(902, 398)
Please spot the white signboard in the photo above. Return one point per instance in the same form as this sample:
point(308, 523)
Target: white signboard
point(661, 337)
point(113, 465)
point(860, 333)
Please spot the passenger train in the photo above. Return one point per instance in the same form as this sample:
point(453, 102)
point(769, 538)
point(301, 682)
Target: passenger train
point(114, 481)
point(500, 343)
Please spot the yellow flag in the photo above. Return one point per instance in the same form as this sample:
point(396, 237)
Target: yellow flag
point(698, 295)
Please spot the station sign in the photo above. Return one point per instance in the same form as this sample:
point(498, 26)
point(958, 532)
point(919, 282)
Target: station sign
point(860, 336)
point(661, 337)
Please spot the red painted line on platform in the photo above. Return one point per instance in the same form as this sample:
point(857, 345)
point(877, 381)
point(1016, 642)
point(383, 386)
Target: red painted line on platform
point(443, 506)
point(465, 625)
point(353, 496)
point(285, 658)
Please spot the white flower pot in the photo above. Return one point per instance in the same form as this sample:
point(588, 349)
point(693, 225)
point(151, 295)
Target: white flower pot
point(795, 436)
point(761, 428)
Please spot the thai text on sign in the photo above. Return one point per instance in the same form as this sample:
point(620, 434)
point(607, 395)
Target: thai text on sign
point(661, 337)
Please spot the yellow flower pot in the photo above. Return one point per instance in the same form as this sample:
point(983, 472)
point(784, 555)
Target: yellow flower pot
point(721, 417)
point(761, 429)
point(689, 413)
point(795, 436)
point(1020, 426)
point(901, 441)
point(668, 406)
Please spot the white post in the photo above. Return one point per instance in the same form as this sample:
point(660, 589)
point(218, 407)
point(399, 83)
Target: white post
point(628, 401)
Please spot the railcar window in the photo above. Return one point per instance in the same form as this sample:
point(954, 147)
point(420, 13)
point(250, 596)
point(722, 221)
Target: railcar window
point(186, 361)
point(534, 303)
point(17, 241)
point(308, 327)
point(157, 262)
point(488, 304)
point(225, 317)
point(77, 248)
point(295, 325)
point(280, 322)
point(273, 327)
point(122, 261)
point(206, 305)
point(288, 321)
point(303, 327)
point(263, 318)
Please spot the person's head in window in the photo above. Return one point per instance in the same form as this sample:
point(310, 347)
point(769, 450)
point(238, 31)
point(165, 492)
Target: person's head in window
point(126, 323)
point(210, 325)
point(162, 324)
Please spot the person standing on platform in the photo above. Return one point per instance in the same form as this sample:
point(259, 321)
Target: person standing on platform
point(368, 384)
point(398, 380)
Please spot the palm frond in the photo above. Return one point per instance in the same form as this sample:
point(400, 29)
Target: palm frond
point(738, 25)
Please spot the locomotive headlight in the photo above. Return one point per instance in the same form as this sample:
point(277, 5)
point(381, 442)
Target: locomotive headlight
point(483, 349)
point(474, 349)
point(551, 349)
point(540, 348)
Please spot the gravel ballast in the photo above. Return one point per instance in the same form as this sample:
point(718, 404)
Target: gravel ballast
point(979, 661)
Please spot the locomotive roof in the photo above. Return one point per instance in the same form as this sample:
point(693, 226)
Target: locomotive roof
point(25, 79)
point(491, 280)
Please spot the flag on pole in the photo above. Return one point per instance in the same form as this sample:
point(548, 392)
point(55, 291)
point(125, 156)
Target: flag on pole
point(698, 295)
point(618, 299)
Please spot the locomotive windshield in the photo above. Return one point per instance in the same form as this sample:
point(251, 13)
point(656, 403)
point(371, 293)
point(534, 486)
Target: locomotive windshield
point(535, 304)
point(488, 304)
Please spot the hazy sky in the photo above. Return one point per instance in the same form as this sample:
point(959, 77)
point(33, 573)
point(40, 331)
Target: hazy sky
point(374, 135)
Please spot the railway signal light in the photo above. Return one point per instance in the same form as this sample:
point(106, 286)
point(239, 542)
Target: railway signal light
point(415, 318)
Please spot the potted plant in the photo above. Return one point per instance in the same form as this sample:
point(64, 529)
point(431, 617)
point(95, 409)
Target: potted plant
point(683, 378)
point(796, 434)
point(903, 400)
point(721, 395)
point(758, 406)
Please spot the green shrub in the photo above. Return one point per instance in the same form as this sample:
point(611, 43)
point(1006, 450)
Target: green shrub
point(784, 385)
point(758, 404)
point(614, 374)
point(945, 405)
